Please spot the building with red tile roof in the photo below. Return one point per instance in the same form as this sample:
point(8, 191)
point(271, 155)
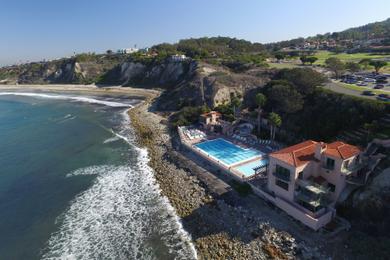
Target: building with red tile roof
point(309, 178)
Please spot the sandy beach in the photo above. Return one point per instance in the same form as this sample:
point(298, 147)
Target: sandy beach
point(85, 89)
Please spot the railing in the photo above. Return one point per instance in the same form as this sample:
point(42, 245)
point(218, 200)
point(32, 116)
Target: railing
point(282, 176)
point(312, 200)
point(352, 168)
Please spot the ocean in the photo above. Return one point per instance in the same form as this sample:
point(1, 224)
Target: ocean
point(73, 184)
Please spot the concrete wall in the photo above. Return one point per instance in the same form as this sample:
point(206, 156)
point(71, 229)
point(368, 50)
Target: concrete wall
point(293, 211)
point(313, 223)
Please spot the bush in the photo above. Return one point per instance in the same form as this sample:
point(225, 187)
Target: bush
point(243, 189)
point(188, 115)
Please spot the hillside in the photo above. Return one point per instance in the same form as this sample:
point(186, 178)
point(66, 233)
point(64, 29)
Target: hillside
point(373, 37)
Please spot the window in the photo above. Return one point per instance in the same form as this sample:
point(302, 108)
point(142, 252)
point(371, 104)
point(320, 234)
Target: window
point(331, 187)
point(329, 163)
point(282, 173)
point(300, 175)
point(281, 184)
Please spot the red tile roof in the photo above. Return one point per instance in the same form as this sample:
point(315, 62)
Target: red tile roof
point(341, 150)
point(210, 113)
point(302, 153)
point(298, 154)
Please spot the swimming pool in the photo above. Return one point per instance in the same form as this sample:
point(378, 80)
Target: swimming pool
point(250, 168)
point(227, 152)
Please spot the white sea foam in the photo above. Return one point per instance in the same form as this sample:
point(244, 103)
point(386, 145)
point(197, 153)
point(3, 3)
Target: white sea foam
point(110, 140)
point(68, 97)
point(121, 216)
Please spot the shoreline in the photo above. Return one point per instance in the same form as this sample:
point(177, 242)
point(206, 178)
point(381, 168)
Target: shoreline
point(139, 93)
point(221, 224)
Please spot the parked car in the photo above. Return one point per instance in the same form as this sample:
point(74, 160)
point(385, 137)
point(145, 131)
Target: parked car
point(379, 86)
point(362, 84)
point(369, 80)
point(368, 93)
point(383, 97)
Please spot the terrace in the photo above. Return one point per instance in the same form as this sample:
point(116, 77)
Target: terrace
point(243, 158)
point(312, 196)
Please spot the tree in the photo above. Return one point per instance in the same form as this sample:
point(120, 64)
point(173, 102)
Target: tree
point(303, 59)
point(109, 52)
point(305, 80)
point(285, 99)
point(365, 63)
point(311, 59)
point(352, 66)
point(378, 64)
point(335, 65)
point(261, 99)
point(371, 128)
point(275, 121)
point(279, 56)
point(235, 102)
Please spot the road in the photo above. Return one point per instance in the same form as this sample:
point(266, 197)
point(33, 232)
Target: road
point(339, 89)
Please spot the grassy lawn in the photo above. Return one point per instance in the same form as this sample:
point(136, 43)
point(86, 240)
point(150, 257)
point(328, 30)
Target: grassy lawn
point(282, 65)
point(355, 57)
point(358, 88)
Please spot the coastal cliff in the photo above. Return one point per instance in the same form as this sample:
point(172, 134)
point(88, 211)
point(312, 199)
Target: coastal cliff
point(186, 83)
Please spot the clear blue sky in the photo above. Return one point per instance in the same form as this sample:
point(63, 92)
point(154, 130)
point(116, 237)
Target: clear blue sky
point(38, 29)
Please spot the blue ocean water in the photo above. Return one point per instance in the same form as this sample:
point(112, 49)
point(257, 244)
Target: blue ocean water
point(74, 186)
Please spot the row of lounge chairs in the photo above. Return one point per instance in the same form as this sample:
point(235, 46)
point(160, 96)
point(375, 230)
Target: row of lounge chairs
point(251, 141)
point(193, 133)
point(243, 139)
point(264, 142)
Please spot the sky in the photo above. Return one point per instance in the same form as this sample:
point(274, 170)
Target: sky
point(33, 30)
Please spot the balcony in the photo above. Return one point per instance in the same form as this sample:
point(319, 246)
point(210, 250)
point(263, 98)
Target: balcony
point(312, 194)
point(282, 176)
point(352, 168)
point(309, 199)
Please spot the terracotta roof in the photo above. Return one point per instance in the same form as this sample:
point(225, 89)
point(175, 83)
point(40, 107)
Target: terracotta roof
point(302, 153)
point(209, 113)
point(341, 150)
point(298, 154)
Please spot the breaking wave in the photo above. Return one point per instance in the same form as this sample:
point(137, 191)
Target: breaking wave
point(68, 97)
point(121, 216)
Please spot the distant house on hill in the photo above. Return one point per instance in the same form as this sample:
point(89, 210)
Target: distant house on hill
point(178, 57)
point(127, 50)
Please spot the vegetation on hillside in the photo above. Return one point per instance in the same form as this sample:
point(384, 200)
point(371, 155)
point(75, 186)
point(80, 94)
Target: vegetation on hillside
point(365, 32)
point(309, 112)
point(238, 55)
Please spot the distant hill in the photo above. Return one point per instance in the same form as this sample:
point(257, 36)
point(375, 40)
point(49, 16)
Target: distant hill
point(376, 34)
point(365, 32)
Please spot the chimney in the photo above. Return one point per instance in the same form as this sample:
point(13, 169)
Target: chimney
point(319, 148)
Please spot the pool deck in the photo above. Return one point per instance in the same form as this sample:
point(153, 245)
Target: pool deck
point(229, 169)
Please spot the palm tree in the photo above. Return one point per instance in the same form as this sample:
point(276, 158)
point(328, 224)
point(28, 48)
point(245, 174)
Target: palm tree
point(261, 99)
point(275, 121)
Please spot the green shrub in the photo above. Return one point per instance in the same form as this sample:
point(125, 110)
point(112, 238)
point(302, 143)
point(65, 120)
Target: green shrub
point(243, 189)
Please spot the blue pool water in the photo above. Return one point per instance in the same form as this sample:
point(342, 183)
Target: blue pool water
point(227, 152)
point(248, 169)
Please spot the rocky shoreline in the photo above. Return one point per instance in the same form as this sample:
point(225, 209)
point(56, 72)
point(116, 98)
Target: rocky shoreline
point(219, 229)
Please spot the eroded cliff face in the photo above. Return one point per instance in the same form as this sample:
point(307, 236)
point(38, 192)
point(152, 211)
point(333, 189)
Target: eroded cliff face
point(157, 74)
point(187, 83)
point(209, 85)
